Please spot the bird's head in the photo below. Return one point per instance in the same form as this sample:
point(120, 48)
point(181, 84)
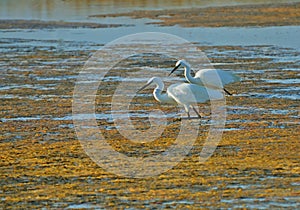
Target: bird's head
point(178, 64)
point(155, 80)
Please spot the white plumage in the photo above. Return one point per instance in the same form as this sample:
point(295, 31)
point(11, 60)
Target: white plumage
point(212, 78)
point(184, 94)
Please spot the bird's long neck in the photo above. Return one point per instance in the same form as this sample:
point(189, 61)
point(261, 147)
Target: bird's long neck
point(188, 76)
point(157, 93)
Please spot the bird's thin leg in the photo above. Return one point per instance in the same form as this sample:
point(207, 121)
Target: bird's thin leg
point(196, 111)
point(187, 110)
point(226, 91)
point(188, 113)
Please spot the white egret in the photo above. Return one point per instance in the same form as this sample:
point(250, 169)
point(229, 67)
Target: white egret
point(212, 78)
point(184, 94)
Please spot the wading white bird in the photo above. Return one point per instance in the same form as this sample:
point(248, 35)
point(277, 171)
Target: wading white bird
point(184, 94)
point(211, 78)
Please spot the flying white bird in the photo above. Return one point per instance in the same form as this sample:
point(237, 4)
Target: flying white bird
point(184, 94)
point(211, 78)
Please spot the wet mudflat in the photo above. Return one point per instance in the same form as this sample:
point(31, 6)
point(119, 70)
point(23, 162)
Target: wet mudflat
point(256, 164)
point(232, 16)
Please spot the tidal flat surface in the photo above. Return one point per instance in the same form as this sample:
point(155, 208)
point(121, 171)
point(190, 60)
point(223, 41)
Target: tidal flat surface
point(43, 164)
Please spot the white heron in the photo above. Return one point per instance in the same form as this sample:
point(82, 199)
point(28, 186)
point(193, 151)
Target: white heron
point(212, 78)
point(184, 94)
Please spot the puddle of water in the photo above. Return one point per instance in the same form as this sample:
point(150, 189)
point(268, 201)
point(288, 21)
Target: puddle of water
point(233, 129)
point(287, 89)
point(177, 202)
point(243, 186)
point(57, 78)
point(84, 206)
point(66, 126)
point(295, 184)
point(254, 110)
point(16, 86)
point(272, 95)
point(20, 119)
point(33, 97)
point(283, 81)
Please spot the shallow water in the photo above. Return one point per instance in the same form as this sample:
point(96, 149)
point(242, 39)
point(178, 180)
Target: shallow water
point(278, 84)
point(281, 36)
point(80, 10)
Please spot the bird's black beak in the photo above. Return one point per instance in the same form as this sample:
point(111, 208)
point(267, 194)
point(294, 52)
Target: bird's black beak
point(176, 67)
point(142, 88)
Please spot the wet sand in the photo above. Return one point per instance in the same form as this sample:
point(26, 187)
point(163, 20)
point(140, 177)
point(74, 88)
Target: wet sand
point(256, 165)
point(38, 24)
